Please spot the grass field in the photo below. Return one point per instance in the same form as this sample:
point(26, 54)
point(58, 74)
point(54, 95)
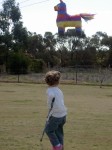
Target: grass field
point(23, 111)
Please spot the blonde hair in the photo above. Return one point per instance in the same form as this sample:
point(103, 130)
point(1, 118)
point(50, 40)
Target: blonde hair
point(52, 77)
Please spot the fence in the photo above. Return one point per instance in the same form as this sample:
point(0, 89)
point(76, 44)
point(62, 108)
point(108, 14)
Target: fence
point(69, 76)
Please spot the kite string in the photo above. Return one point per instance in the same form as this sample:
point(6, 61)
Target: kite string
point(29, 4)
point(33, 3)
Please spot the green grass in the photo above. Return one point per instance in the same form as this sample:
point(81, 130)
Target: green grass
point(23, 111)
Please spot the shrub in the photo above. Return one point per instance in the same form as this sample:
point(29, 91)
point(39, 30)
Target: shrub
point(37, 65)
point(18, 63)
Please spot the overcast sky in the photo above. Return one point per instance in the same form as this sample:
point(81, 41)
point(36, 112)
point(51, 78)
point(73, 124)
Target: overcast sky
point(39, 15)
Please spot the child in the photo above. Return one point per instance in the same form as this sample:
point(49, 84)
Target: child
point(57, 119)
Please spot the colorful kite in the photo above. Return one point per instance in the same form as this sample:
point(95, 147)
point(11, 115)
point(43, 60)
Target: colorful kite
point(65, 20)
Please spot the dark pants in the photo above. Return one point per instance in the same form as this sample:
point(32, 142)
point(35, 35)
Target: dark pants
point(54, 130)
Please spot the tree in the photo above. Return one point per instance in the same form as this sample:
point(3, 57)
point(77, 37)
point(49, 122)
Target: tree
point(75, 44)
point(10, 15)
point(97, 41)
point(62, 51)
point(18, 63)
point(107, 41)
point(20, 36)
point(13, 34)
point(35, 45)
point(50, 55)
point(49, 40)
point(37, 65)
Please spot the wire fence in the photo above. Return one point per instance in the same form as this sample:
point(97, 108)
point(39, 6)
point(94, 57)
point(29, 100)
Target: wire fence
point(69, 76)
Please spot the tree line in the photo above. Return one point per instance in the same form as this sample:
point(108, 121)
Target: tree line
point(22, 51)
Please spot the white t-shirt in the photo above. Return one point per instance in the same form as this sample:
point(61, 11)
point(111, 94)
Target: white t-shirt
point(59, 110)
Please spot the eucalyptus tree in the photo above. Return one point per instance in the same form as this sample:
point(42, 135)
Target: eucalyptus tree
point(50, 54)
point(35, 45)
point(10, 16)
point(110, 52)
point(107, 41)
point(49, 40)
point(75, 45)
point(97, 41)
point(13, 34)
point(89, 53)
point(62, 50)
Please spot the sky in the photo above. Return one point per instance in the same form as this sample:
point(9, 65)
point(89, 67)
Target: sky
point(39, 15)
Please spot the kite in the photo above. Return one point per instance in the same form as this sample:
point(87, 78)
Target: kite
point(65, 20)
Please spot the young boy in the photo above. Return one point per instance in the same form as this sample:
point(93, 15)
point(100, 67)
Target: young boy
point(57, 119)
